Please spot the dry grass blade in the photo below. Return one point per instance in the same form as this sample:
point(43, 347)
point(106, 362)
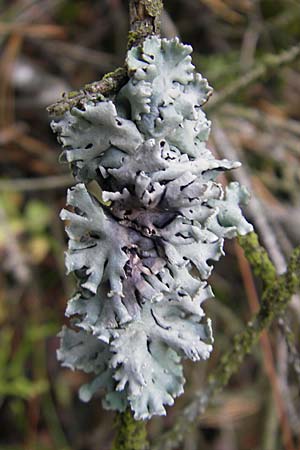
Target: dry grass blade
point(36, 184)
point(220, 8)
point(33, 31)
point(230, 410)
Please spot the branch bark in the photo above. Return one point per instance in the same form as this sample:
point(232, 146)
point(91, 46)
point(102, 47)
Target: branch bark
point(109, 85)
point(144, 20)
point(144, 17)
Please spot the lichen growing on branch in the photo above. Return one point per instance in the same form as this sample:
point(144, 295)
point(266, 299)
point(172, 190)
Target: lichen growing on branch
point(142, 255)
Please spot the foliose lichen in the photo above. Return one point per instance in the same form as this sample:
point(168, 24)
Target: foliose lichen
point(142, 255)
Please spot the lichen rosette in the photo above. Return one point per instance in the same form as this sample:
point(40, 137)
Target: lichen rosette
point(142, 252)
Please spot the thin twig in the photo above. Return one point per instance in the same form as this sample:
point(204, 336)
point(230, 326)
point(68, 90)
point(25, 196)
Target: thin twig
point(40, 31)
point(109, 84)
point(36, 184)
point(261, 118)
point(293, 352)
point(269, 66)
point(11, 51)
point(144, 21)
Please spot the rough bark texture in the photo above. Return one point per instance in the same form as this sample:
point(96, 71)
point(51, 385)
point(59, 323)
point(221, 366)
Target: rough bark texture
point(144, 21)
point(109, 84)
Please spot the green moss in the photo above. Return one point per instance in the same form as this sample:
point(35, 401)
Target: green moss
point(140, 34)
point(133, 37)
point(258, 258)
point(153, 7)
point(73, 94)
point(131, 434)
point(114, 74)
point(109, 84)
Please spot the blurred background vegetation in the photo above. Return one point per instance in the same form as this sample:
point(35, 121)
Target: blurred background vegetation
point(54, 46)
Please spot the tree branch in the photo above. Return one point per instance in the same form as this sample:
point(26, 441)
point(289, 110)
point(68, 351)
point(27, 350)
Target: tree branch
point(109, 85)
point(131, 434)
point(144, 21)
point(259, 259)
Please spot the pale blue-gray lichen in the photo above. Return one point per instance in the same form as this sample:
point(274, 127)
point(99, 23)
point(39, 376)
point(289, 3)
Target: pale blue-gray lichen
point(142, 256)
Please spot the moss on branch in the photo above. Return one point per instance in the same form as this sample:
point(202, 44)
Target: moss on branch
point(109, 85)
point(258, 257)
point(275, 299)
point(131, 434)
point(144, 20)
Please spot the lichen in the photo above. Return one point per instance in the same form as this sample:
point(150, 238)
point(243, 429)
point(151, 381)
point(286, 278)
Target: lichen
point(142, 256)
